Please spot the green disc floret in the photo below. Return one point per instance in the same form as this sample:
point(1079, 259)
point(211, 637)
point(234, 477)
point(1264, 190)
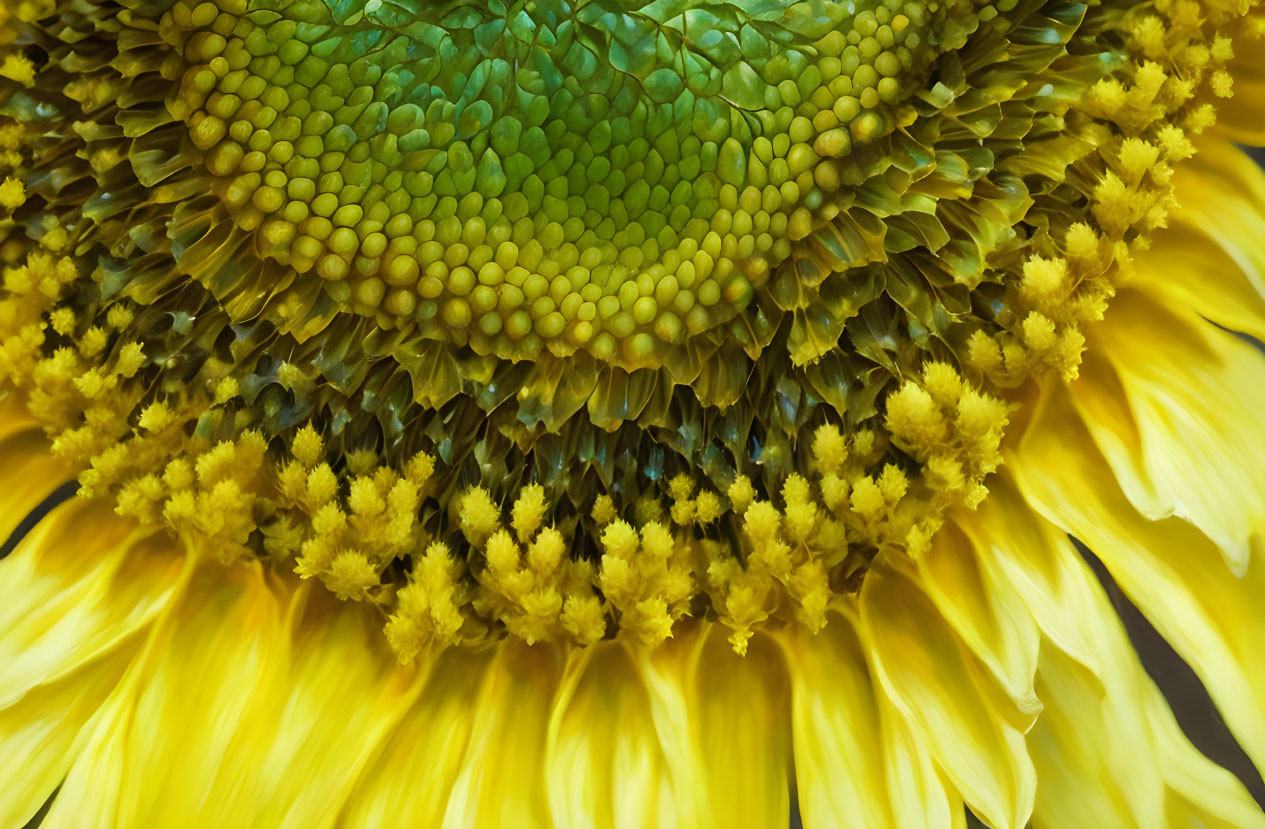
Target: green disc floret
point(583, 156)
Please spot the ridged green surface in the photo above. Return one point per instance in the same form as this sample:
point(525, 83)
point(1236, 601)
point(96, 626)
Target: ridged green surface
point(612, 177)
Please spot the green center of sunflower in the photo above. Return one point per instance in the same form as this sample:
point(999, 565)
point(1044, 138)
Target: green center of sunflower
point(518, 176)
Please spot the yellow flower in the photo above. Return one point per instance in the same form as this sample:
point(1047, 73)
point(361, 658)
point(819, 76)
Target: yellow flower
point(547, 413)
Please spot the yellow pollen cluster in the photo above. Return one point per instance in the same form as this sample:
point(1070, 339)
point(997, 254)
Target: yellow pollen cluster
point(646, 577)
point(952, 429)
point(428, 611)
point(530, 581)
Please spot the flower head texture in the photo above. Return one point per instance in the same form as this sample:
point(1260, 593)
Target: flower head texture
point(611, 413)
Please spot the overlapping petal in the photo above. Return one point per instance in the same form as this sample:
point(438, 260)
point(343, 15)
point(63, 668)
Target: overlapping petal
point(1176, 415)
point(689, 735)
point(1107, 749)
point(1173, 572)
point(943, 693)
point(856, 763)
point(69, 600)
point(409, 781)
point(741, 714)
point(604, 765)
point(24, 458)
point(1210, 260)
point(501, 780)
point(276, 740)
point(73, 618)
point(993, 622)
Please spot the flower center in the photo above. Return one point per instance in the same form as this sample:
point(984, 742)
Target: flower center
point(609, 176)
point(567, 319)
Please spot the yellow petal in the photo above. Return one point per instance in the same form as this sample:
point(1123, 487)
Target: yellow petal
point(501, 781)
point(665, 672)
point(1108, 750)
point(839, 752)
point(741, 710)
point(38, 734)
point(1029, 559)
point(1106, 744)
point(1102, 403)
point(408, 783)
point(24, 458)
point(15, 417)
point(990, 619)
point(688, 734)
point(237, 713)
point(79, 591)
point(315, 744)
point(920, 794)
point(1210, 258)
point(1239, 118)
point(1195, 395)
point(189, 706)
point(941, 692)
point(1201, 793)
point(76, 587)
point(1034, 561)
point(1073, 762)
point(1214, 619)
point(857, 763)
point(604, 766)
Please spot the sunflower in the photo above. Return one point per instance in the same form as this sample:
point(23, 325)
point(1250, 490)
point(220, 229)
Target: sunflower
point(621, 413)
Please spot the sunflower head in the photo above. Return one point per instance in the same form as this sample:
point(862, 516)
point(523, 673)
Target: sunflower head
point(566, 320)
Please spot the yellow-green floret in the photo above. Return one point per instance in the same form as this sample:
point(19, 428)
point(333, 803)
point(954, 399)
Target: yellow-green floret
point(539, 175)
